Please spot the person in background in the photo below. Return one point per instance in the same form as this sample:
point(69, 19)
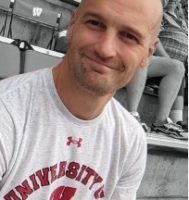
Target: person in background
point(174, 38)
point(171, 72)
point(62, 134)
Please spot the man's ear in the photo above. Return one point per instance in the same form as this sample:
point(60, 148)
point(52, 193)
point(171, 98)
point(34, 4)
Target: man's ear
point(144, 62)
point(153, 47)
point(71, 23)
point(73, 17)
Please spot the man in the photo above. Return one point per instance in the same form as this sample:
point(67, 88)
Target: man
point(62, 135)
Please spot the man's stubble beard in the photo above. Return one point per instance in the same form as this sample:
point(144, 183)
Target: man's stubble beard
point(87, 81)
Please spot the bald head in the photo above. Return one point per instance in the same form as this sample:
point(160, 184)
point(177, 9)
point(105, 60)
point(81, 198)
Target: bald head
point(153, 10)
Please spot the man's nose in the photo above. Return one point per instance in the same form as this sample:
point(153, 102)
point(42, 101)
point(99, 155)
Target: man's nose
point(106, 46)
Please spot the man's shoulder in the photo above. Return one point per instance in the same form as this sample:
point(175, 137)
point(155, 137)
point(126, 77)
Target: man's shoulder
point(20, 82)
point(118, 110)
point(125, 120)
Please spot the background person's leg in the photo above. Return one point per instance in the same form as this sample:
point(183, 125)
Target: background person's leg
point(172, 72)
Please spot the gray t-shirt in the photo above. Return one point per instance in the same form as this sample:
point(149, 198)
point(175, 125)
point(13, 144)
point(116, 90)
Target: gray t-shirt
point(46, 153)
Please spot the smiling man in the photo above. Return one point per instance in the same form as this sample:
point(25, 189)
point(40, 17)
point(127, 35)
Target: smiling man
point(62, 134)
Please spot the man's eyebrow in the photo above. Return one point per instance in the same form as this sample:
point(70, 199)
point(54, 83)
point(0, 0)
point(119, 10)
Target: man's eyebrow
point(93, 14)
point(134, 31)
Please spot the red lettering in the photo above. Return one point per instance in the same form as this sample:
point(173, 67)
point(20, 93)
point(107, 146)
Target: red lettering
point(99, 193)
point(46, 176)
point(63, 193)
point(53, 170)
point(11, 196)
point(34, 182)
point(80, 173)
point(72, 170)
point(90, 172)
point(24, 190)
point(97, 179)
point(43, 176)
point(62, 169)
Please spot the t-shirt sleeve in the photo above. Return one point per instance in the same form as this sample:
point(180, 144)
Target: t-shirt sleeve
point(6, 139)
point(133, 170)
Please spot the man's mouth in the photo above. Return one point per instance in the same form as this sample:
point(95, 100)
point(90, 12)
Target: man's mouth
point(99, 66)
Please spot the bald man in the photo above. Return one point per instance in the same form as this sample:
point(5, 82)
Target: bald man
point(62, 134)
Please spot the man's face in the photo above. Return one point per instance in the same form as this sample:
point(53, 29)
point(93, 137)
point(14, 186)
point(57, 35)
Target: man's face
point(108, 41)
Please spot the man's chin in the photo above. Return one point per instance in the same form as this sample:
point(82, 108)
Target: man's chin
point(98, 90)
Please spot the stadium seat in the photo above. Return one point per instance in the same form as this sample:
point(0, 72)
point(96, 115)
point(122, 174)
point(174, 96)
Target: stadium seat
point(37, 14)
point(4, 5)
point(9, 60)
point(35, 60)
point(6, 8)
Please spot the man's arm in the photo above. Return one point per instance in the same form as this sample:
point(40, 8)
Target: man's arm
point(133, 172)
point(6, 139)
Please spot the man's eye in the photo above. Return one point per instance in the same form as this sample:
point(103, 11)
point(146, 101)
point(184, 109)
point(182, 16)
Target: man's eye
point(94, 23)
point(129, 37)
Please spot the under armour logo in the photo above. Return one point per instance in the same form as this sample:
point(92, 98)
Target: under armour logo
point(74, 142)
point(37, 11)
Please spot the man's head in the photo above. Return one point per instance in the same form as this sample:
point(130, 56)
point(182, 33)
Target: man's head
point(109, 40)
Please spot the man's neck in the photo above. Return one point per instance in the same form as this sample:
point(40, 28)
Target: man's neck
point(79, 102)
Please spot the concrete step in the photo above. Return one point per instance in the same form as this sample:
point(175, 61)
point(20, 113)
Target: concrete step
point(165, 176)
point(159, 140)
